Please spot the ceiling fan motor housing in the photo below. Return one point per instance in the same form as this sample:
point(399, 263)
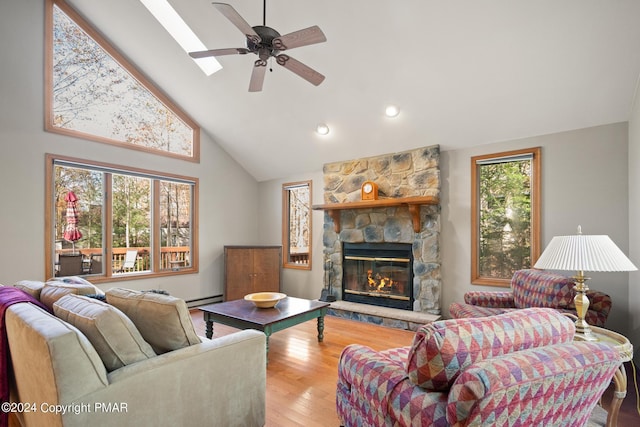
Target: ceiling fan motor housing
point(267, 34)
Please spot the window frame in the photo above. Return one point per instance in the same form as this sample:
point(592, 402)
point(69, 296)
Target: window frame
point(155, 244)
point(126, 65)
point(536, 179)
point(286, 255)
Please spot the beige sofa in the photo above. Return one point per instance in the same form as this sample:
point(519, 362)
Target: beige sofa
point(61, 376)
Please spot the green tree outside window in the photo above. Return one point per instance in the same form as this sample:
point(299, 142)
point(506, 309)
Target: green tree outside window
point(505, 221)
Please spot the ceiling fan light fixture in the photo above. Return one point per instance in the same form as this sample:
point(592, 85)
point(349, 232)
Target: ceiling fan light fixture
point(392, 111)
point(322, 129)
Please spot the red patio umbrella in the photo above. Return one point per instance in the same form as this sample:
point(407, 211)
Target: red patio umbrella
point(72, 232)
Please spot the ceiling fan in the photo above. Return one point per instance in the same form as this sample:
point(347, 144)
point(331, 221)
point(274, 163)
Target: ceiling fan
point(266, 43)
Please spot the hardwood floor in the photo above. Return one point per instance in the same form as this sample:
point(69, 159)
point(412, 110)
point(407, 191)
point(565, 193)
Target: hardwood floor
point(302, 373)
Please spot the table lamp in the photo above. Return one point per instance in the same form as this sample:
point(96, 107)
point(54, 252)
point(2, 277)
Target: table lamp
point(583, 253)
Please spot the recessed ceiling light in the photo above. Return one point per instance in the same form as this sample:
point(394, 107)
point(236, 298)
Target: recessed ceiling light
point(391, 111)
point(322, 129)
point(180, 31)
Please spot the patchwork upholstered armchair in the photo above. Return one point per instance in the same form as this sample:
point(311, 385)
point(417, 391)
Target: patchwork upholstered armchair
point(519, 368)
point(533, 288)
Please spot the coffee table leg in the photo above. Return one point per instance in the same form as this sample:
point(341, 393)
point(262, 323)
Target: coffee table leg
point(209, 327)
point(267, 334)
point(320, 328)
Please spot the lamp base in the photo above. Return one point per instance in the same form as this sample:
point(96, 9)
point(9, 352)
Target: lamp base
point(585, 334)
point(582, 305)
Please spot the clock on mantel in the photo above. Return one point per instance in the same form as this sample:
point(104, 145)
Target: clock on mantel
point(369, 190)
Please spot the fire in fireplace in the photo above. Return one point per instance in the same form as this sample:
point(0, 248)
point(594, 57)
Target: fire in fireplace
point(378, 274)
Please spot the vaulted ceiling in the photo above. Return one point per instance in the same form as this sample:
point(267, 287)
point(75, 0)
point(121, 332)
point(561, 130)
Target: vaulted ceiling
point(463, 72)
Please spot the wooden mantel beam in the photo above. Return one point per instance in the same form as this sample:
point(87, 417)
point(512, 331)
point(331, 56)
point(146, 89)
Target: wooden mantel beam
point(413, 203)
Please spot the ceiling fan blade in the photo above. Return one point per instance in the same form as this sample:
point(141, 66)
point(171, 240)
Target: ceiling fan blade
point(295, 66)
point(230, 13)
point(257, 75)
point(305, 37)
point(219, 52)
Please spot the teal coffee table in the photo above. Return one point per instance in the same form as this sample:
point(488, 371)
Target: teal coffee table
point(243, 314)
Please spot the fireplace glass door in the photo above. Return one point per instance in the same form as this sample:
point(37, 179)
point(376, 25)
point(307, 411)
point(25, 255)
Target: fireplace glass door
point(378, 274)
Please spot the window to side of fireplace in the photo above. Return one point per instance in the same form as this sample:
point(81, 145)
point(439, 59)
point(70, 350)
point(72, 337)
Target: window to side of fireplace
point(296, 225)
point(505, 219)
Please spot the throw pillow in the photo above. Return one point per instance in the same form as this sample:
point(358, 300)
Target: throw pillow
point(32, 287)
point(111, 333)
point(53, 290)
point(163, 320)
point(442, 350)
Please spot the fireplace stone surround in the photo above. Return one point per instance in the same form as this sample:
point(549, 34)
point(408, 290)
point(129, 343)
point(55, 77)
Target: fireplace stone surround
point(398, 175)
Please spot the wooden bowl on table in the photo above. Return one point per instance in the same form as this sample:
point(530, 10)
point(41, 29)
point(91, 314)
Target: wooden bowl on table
point(265, 299)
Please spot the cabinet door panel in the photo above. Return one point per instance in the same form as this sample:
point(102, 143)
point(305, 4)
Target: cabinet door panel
point(238, 273)
point(266, 264)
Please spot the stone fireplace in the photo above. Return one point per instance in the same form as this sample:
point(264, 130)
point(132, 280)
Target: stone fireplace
point(403, 178)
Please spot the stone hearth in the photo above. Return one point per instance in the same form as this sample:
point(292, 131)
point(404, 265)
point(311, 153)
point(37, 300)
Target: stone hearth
point(398, 175)
point(389, 317)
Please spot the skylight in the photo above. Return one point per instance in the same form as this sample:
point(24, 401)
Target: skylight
point(180, 31)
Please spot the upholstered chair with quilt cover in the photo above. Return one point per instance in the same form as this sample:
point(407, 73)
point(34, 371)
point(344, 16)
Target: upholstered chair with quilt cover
point(533, 288)
point(518, 368)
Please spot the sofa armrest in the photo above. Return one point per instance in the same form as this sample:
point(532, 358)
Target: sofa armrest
point(545, 378)
point(365, 381)
point(223, 379)
point(490, 299)
point(374, 390)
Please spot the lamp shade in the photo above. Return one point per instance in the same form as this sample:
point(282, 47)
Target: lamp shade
point(584, 253)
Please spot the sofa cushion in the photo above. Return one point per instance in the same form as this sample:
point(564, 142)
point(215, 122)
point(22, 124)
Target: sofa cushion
point(32, 287)
point(442, 350)
point(111, 333)
point(52, 291)
point(538, 288)
point(163, 320)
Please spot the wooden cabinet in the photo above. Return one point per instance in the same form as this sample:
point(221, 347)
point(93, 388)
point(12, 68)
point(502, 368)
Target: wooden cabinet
point(249, 269)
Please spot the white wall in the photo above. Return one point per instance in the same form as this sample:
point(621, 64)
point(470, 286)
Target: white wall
point(228, 195)
point(633, 332)
point(297, 283)
point(584, 182)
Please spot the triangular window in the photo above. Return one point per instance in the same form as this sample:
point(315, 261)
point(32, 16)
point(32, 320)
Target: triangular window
point(94, 93)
